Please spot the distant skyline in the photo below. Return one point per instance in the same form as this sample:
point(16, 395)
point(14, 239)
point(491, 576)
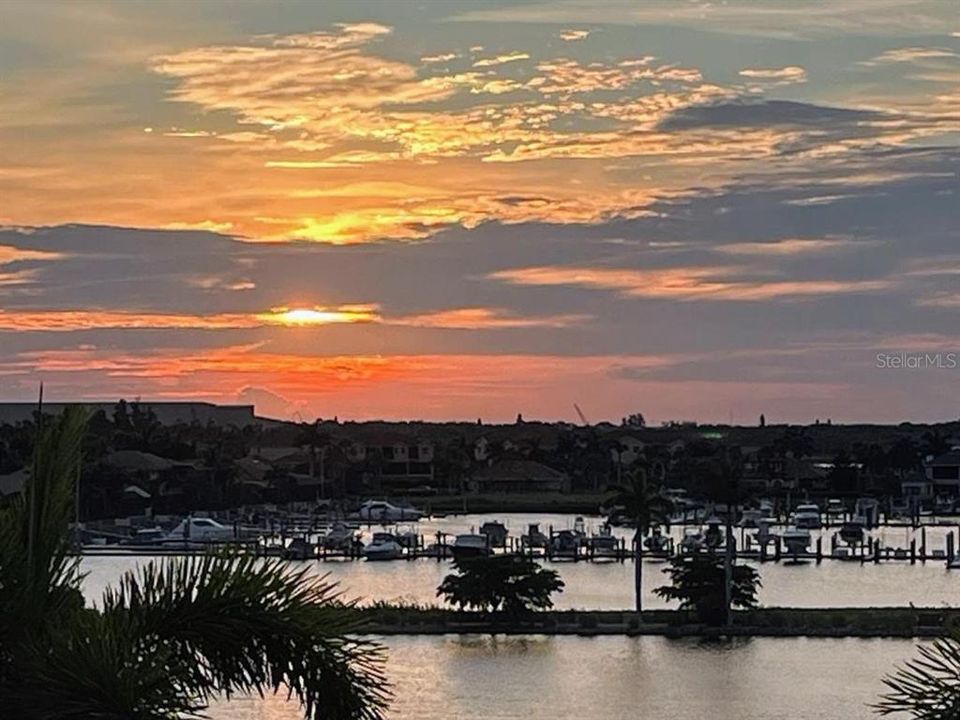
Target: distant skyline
point(447, 210)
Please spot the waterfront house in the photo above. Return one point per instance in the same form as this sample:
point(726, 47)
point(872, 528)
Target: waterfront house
point(518, 476)
point(944, 472)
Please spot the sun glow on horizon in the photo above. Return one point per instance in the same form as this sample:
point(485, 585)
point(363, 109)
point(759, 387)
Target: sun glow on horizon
point(301, 317)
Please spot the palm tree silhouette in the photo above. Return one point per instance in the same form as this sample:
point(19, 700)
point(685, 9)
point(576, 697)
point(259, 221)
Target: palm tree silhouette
point(170, 636)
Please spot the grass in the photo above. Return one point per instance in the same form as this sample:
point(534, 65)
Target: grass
point(385, 618)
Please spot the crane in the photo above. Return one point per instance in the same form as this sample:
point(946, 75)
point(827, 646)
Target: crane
point(583, 418)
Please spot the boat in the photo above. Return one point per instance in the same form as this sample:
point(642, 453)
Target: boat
point(383, 546)
point(146, 536)
point(534, 538)
point(835, 507)
point(299, 549)
point(764, 536)
point(604, 541)
point(693, 541)
point(408, 538)
point(656, 542)
point(713, 537)
point(807, 517)
point(496, 533)
point(470, 545)
point(565, 543)
point(852, 532)
point(796, 540)
point(339, 537)
point(382, 511)
point(200, 530)
point(750, 517)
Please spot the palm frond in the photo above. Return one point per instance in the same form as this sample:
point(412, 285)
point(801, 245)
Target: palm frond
point(928, 687)
point(245, 625)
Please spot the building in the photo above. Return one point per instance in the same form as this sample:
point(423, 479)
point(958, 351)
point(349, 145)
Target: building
point(944, 472)
point(167, 413)
point(518, 476)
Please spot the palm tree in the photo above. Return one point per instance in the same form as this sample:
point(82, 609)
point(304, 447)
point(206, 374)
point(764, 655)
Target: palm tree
point(643, 502)
point(926, 688)
point(170, 636)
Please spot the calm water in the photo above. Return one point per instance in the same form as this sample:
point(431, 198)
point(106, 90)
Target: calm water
point(607, 678)
point(453, 678)
point(609, 586)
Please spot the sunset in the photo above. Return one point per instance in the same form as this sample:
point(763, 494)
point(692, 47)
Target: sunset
point(457, 359)
point(702, 209)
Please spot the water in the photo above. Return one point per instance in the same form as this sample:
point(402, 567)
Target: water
point(608, 678)
point(609, 586)
point(605, 678)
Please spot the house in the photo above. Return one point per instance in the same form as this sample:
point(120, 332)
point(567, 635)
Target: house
point(917, 488)
point(518, 476)
point(627, 450)
point(944, 472)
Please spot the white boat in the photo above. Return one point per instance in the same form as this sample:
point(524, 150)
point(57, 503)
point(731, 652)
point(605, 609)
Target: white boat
point(193, 529)
point(382, 511)
point(807, 517)
point(796, 540)
point(835, 507)
point(146, 536)
point(339, 537)
point(496, 533)
point(471, 545)
point(383, 546)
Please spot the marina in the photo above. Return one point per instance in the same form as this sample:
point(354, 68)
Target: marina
point(608, 585)
point(802, 537)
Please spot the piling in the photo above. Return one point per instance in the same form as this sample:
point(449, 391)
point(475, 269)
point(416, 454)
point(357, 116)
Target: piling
point(913, 551)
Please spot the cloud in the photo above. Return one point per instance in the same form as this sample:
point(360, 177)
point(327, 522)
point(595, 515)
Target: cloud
point(789, 75)
point(11, 254)
point(792, 246)
point(709, 284)
point(765, 114)
point(501, 59)
point(911, 55)
point(441, 58)
point(486, 319)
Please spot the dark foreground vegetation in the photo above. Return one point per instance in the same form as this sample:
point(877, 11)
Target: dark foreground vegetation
point(170, 637)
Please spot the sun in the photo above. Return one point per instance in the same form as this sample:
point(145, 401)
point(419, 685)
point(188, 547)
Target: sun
point(300, 317)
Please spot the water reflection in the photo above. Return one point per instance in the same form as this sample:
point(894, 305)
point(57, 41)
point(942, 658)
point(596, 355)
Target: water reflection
point(608, 678)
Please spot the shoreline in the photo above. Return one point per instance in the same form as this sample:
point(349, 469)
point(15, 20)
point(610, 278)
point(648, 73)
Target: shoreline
point(886, 622)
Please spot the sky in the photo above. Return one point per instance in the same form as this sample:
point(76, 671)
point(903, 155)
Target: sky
point(459, 210)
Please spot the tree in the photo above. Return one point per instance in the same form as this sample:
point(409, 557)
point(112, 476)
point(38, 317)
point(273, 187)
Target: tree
point(170, 636)
point(505, 583)
point(635, 420)
point(698, 582)
point(927, 688)
point(644, 503)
